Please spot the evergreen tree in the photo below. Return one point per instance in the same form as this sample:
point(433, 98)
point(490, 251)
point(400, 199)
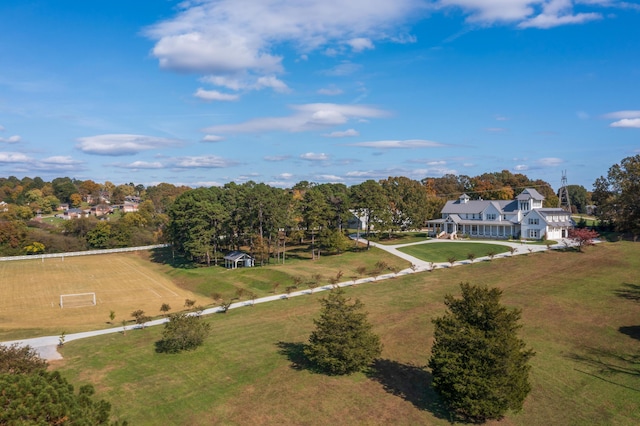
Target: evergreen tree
point(342, 342)
point(30, 395)
point(479, 365)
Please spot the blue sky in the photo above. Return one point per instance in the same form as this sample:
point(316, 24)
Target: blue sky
point(204, 92)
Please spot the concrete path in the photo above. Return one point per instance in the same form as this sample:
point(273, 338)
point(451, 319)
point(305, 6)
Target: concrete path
point(47, 346)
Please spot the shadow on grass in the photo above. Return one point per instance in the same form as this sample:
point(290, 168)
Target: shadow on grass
point(167, 256)
point(608, 363)
point(629, 291)
point(409, 382)
point(632, 331)
point(294, 351)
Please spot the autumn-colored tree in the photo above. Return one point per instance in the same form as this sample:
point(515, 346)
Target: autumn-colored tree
point(582, 237)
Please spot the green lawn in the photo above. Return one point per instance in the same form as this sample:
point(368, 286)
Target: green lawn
point(261, 280)
point(580, 313)
point(442, 252)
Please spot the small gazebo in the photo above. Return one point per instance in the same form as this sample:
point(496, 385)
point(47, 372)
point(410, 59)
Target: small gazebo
point(236, 259)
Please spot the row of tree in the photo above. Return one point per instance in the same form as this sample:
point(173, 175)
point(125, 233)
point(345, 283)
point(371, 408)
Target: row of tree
point(201, 222)
point(205, 221)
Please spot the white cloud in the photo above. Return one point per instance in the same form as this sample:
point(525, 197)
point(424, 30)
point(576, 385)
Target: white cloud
point(329, 178)
point(285, 176)
point(13, 157)
point(624, 118)
point(232, 83)
point(143, 165)
point(273, 83)
point(549, 162)
point(312, 156)
point(122, 144)
point(545, 21)
point(521, 167)
point(501, 118)
point(343, 69)
point(276, 158)
point(11, 139)
point(213, 138)
point(344, 134)
point(623, 114)
point(214, 95)
point(397, 144)
point(541, 14)
point(330, 91)
point(627, 122)
point(483, 11)
point(360, 43)
point(58, 163)
point(202, 162)
point(228, 36)
point(305, 118)
point(582, 115)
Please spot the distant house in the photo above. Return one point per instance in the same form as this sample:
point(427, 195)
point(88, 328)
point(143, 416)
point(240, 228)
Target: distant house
point(523, 217)
point(101, 210)
point(129, 207)
point(75, 213)
point(238, 259)
point(357, 220)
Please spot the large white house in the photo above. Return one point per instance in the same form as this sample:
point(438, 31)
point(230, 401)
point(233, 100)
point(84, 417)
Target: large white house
point(523, 217)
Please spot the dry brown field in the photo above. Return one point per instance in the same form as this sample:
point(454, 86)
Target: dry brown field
point(124, 282)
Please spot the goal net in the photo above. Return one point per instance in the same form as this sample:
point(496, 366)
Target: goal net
point(77, 300)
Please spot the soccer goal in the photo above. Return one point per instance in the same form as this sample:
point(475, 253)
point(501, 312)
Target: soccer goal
point(77, 300)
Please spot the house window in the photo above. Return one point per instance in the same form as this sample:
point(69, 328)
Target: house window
point(491, 216)
point(534, 221)
point(534, 233)
point(474, 229)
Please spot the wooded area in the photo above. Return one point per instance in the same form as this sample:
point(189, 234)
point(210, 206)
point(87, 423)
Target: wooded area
point(262, 219)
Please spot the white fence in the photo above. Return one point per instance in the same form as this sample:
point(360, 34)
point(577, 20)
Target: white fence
point(81, 253)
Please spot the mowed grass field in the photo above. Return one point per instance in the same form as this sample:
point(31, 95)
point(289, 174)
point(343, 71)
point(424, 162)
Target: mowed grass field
point(30, 289)
point(30, 293)
point(442, 252)
point(580, 313)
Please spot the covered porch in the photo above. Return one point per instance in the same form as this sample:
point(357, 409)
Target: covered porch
point(475, 228)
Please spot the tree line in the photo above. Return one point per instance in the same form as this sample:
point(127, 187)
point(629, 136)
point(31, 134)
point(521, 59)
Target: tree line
point(202, 222)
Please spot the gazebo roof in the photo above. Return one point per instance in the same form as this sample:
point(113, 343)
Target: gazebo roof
point(236, 255)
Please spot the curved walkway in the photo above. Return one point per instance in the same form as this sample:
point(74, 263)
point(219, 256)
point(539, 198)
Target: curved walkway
point(47, 346)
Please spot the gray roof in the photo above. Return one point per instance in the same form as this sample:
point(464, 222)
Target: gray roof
point(529, 193)
point(236, 255)
point(478, 206)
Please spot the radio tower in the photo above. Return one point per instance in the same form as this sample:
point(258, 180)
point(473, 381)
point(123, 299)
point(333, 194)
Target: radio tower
point(563, 194)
